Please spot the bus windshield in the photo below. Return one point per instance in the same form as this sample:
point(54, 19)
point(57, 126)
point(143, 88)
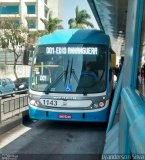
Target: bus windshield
point(74, 68)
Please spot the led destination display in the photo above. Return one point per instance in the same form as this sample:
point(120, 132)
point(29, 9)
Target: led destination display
point(72, 50)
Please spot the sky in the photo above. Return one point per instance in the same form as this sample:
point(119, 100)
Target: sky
point(69, 10)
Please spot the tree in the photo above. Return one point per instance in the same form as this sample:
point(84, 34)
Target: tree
point(33, 36)
point(13, 38)
point(2, 67)
point(81, 20)
point(52, 24)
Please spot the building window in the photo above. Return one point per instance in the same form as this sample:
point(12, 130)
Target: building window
point(9, 9)
point(31, 9)
point(31, 24)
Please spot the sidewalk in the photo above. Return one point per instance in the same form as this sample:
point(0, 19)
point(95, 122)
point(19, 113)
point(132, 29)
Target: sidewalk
point(11, 123)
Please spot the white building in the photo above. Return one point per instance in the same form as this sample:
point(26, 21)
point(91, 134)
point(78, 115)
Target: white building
point(29, 12)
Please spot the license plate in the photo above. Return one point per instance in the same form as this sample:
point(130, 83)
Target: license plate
point(65, 116)
point(49, 102)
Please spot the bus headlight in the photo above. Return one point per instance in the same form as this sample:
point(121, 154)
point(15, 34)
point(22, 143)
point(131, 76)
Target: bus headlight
point(101, 104)
point(34, 103)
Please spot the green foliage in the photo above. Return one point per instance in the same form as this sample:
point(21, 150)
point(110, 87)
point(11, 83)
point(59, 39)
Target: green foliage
point(13, 37)
point(52, 24)
point(2, 66)
point(12, 34)
point(3, 42)
point(37, 34)
point(81, 20)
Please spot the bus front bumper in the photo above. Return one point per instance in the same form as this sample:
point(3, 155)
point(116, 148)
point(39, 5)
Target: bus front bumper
point(90, 116)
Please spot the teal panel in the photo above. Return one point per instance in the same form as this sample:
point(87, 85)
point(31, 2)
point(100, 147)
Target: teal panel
point(134, 107)
point(31, 9)
point(111, 143)
point(115, 102)
point(75, 36)
point(133, 32)
point(14, 9)
point(132, 50)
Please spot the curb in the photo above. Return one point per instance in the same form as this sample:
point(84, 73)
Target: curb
point(11, 123)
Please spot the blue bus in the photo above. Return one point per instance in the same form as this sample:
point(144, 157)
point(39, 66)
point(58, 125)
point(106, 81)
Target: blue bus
point(70, 77)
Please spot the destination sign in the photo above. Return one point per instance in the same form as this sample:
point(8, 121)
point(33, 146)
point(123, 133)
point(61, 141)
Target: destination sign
point(71, 50)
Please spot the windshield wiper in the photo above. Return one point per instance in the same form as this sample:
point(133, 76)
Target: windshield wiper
point(66, 72)
point(72, 72)
point(58, 79)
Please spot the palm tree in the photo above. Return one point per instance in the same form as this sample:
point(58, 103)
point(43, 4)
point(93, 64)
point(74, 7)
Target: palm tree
point(52, 24)
point(81, 20)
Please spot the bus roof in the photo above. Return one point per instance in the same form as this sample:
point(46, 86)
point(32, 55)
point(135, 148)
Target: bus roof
point(73, 36)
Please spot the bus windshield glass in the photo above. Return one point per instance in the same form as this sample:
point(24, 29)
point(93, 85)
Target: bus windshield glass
point(73, 68)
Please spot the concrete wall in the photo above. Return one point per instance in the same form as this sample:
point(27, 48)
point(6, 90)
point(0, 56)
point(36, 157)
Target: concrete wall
point(56, 8)
point(8, 72)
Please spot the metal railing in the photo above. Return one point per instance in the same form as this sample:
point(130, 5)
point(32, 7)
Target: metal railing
point(12, 106)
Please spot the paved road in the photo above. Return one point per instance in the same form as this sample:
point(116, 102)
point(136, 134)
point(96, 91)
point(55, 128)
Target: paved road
point(55, 140)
